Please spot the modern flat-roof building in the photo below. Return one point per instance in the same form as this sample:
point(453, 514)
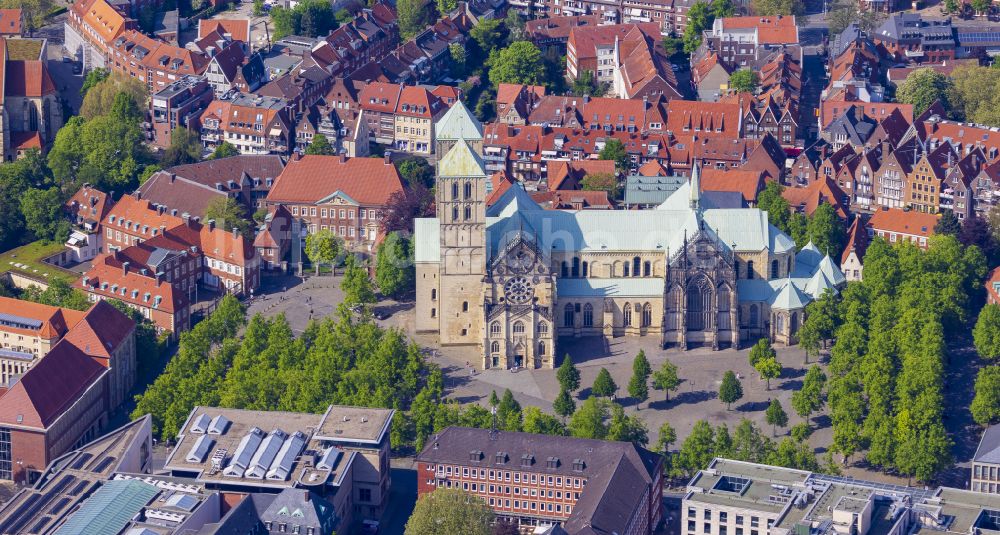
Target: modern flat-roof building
point(986, 462)
point(342, 455)
point(586, 486)
point(741, 498)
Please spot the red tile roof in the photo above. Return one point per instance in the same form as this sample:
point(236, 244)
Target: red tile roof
point(501, 183)
point(239, 29)
point(106, 21)
point(105, 270)
point(89, 203)
point(569, 175)
point(770, 30)
point(380, 96)
point(28, 79)
point(227, 246)
point(10, 21)
point(653, 168)
point(706, 118)
point(369, 181)
point(55, 321)
point(747, 182)
point(823, 190)
point(573, 200)
point(418, 102)
point(857, 241)
point(903, 222)
point(585, 39)
point(140, 212)
point(101, 331)
point(25, 140)
point(49, 388)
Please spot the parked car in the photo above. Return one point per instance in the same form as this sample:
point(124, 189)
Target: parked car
point(382, 314)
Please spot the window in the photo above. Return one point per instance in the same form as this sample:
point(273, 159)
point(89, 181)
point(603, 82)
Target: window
point(468, 190)
point(588, 315)
point(434, 294)
point(543, 328)
point(465, 306)
point(541, 349)
point(749, 269)
point(774, 269)
point(647, 315)
point(635, 266)
point(627, 315)
point(495, 327)
point(365, 495)
point(647, 269)
point(454, 191)
point(569, 316)
point(585, 266)
point(518, 327)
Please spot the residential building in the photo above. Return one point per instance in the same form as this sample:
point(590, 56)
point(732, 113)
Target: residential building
point(854, 252)
point(30, 107)
point(300, 89)
point(90, 28)
point(66, 396)
point(914, 37)
point(993, 286)
point(986, 462)
point(341, 455)
point(416, 112)
point(169, 309)
point(231, 69)
point(29, 330)
point(516, 101)
point(12, 23)
point(592, 48)
point(86, 209)
point(178, 105)
point(823, 190)
point(584, 486)
point(897, 225)
point(669, 17)
point(573, 200)
point(274, 238)
point(744, 42)
point(232, 29)
point(149, 60)
point(627, 57)
point(553, 32)
point(254, 125)
point(736, 496)
point(924, 183)
point(344, 196)
point(192, 187)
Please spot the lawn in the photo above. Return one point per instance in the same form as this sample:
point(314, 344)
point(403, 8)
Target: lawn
point(29, 259)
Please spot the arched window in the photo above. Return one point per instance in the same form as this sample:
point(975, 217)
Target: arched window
point(541, 348)
point(434, 312)
point(468, 190)
point(724, 308)
point(454, 191)
point(495, 327)
point(627, 315)
point(588, 315)
point(518, 327)
point(434, 294)
point(569, 316)
point(465, 306)
point(576, 267)
point(647, 315)
point(753, 315)
point(565, 269)
point(585, 266)
point(647, 269)
point(454, 214)
point(699, 306)
point(625, 269)
point(794, 323)
point(468, 213)
point(495, 347)
point(749, 269)
point(635, 266)
point(543, 328)
point(774, 269)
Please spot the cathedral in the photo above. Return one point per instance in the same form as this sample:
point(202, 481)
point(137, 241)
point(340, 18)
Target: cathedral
point(511, 279)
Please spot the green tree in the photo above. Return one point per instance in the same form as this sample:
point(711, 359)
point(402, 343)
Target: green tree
point(768, 368)
point(730, 390)
point(494, 399)
point(723, 445)
point(515, 25)
point(981, 6)
point(665, 438)
point(224, 150)
point(749, 444)
point(100, 96)
point(394, 270)
point(947, 224)
point(320, 145)
point(587, 84)
point(800, 431)
point(536, 421)
point(459, 58)
point(974, 92)
point(258, 8)
point(185, 147)
point(986, 333)
point(638, 389)
point(357, 286)
point(627, 428)
point(416, 170)
point(58, 294)
point(744, 81)
point(922, 87)
point(602, 182)
point(564, 405)
point(809, 399)
point(700, 18)
point(414, 16)
point(951, 6)
point(229, 214)
point(519, 63)
point(323, 247)
point(568, 375)
point(93, 77)
point(589, 420)
point(106, 151)
point(604, 385)
point(488, 35)
point(450, 511)
point(343, 16)
point(986, 405)
point(697, 450)
point(446, 6)
point(826, 230)
point(776, 416)
point(762, 350)
point(792, 454)
point(43, 214)
point(771, 201)
point(640, 365)
point(772, 8)
point(614, 150)
point(666, 379)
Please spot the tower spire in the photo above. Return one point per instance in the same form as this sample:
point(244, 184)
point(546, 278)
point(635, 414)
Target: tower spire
point(694, 199)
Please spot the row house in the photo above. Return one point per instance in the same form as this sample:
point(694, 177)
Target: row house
point(896, 225)
point(858, 73)
point(177, 105)
point(151, 61)
point(252, 124)
point(913, 37)
point(595, 49)
point(90, 28)
point(745, 42)
point(192, 187)
point(960, 194)
point(515, 102)
point(924, 183)
point(403, 116)
point(594, 113)
point(346, 196)
point(370, 37)
point(155, 299)
point(669, 16)
point(422, 59)
point(854, 252)
point(27, 333)
point(274, 237)
point(300, 88)
point(232, 70)
point(86, 209)
point(553, 32)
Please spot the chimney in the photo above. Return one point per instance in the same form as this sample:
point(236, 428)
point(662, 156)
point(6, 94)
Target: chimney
point(236, 232)
point(172, 177)
point(211, 225)
point(187, 219)
point(124, 268)
point(388, 158)
point(159, 277)
point(343, 158)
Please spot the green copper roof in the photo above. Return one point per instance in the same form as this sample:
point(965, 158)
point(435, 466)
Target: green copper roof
point(458, 123)
point(110, 509)
point(461, 161)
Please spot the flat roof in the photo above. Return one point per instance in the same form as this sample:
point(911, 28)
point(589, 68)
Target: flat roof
point(354, 424)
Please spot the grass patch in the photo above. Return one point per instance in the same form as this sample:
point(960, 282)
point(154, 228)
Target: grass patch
point(29, 259)
point(23, 49)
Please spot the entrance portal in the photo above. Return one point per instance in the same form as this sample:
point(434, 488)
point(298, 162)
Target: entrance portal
point(519, 361)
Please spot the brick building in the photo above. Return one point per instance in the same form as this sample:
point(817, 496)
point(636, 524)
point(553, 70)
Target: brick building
point(177, 105)
point(67, 396)
point(896, 225)
point(29, 330)
point(252, 124)
point(152, 61)
point(156, 299)
point(586, 486)
point(344, 195)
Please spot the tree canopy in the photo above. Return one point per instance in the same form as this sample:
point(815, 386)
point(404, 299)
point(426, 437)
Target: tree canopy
point(394, 271)
point(519, 63)
point(922, 87)
point(730, 390)
point(744, 81)
point(320, 145)
point(450, 511)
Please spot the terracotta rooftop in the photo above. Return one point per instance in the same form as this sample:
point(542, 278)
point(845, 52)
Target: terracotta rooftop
point(903, 222)
point(89, 203)
point(775, 30)
point(822, 190)
point(857, 241)
point(238, 29)
point(746, 182)
point(369, 181)
point(27, 79)
point(110, 281)
point(101, 330)
point(10, 21)
point(55, 321)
